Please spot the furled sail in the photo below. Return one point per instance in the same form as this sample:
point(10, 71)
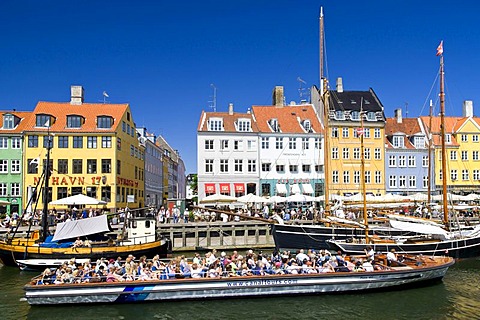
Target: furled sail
point(82, 227)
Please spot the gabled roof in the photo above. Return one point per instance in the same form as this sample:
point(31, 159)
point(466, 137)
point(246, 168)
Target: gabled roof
point(22, 115)
point(354, 100)
point(451, 125)
point(408, 126)
point(89, 111)
point(228, 121)
point(289, 118)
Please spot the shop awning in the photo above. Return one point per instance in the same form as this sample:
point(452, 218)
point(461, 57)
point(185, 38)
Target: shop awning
point(295, 188)
point(307, 188)
point(239, 187)
point(225, 188)
point(209, 188)
point(281, 188)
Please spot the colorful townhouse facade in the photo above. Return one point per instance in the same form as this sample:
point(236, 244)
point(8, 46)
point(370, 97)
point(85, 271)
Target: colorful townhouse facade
point(94, 150)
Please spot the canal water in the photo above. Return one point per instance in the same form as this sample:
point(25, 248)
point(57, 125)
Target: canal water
point(457, 297)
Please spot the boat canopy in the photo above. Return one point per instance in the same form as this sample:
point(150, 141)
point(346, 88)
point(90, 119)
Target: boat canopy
point(79, 228)
point(419, 228)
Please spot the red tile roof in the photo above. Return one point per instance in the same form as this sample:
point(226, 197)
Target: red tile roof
point(228, 120)
point(23, 115)
point(451, 125)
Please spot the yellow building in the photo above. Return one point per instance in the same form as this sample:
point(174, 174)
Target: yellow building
point(94, 151)
point(349, 112)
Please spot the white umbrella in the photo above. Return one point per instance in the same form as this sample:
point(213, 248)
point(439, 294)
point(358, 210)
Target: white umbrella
point(277, 199)
point(3, 202)
point(252, 198)
point(79, 199)
point(300, 198)
point(218, 198)
point(418, 196)
point(471, 197)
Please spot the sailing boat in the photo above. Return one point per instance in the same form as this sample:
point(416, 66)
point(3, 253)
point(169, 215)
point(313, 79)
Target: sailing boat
point(435, 239)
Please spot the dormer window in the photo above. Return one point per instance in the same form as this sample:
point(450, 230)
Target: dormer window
point(74, 121)
point(398, 141)
point(307, 125)
point(448, 138)
point(273, 123)
point(244, 125)
point(43, 120)
point(215, 124)
point(355, 115)
point(419, 142)
point(339, 115)
point(8, 121)
point(371, 116)
point(105, 122)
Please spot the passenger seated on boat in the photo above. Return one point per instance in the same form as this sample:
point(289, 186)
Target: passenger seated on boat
point(196, 271)
point(325, 267)
point(245, 271)
point(293, 267)
point(101, 273)
point(393, 260)
point(358, 266)
point(369, 253)
point(47, 277)
point(215, 270)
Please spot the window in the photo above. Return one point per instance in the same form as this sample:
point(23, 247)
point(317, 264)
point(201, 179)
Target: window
point(465, 175)
point(106, 142)
point(3, 166)
point(377, 154)
point(292, 143)
point(425, 182)
point(371, 116)
point(266, 167)
point(208, 144)
point(265, 189)
point(402, 161)
point(124, 126)
point(440, 174)
point(318, 168)
point(367, 153)
point(15, 166)
point(356, 177)
point(366, 132)
point(398, 142)
point(78, 142)
point(104, 122)
point(293, 168)
point(8, 121)
point(62, 166)
point(335, 153)
point(305, 144)
point(32, 166)
point(215, 125)
point(223, 165)
point(345, 132)
point(318, 143)
point(280, 168)
point(278, 143)
point(238, 165)
point(15, 189)
point(448, 138)
point(119, 167)
point(411, 162)
point(464, 138)
point(307, 125)
point(74, 121)
point(223, 144)
point(346, 176)
point(77, 166)
point(106, 193)
point(334, 132)
point(376, 133)
point(453, 155)
point(305, 167)
point(106, 165)
point(419, 142)
point(91, 166)
point(339, 115)
point(334, 176)
point(346, 153)
point(62, 142)
point(92, 142)
point(244, 125)
point(378, 177)
point(252, 165)
point(392, 181)
point(392, 161)
point(273, 123)
point(453, 174)
point(412, 181)
point(42, 120)
point(355, 115)
point(402, 182)
point(16, 143)
point(476, 174)
point(368, 177)
point(475, 138)
point(251, 145)
point(209, 165)
point(475, 155)
point(236, 144)
point(265, 143)
point(47, 141)
point(3, 189)
point(33, 141)
point(3, 142)
point(425, 161)
point(356, 153)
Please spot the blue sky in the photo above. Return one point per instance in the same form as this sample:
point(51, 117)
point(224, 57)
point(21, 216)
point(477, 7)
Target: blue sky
point(163, 56)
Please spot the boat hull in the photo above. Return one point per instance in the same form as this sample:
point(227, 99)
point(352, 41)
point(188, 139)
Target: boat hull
point(254, 286)
point(10, 253)
point(457, 248)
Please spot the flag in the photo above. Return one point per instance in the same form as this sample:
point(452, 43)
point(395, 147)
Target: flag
point(105, 94)
point(359, 131)
point(47, 124)
point(35, 161)
point(440, 49)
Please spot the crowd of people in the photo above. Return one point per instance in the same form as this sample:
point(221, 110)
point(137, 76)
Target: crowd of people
point(209, 265)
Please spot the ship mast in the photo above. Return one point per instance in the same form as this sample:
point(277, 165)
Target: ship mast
point(430, 141)
point(362, 174)
point(325, 99)
point(442, 133)
point(46, 168)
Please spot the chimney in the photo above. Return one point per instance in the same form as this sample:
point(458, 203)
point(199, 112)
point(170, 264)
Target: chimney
point(468, 108)
point(339, 84)
point(277, 99)
point(76, 95)
point(230, 108)
point(398, 115)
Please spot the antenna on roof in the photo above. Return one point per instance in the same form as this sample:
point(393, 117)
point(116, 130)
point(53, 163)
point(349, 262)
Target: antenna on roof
point(406, 109)
point(301, 89)
point(213, 103)
point(105, 96)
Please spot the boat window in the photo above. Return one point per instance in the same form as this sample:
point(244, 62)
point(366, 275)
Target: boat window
point(147, 224)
